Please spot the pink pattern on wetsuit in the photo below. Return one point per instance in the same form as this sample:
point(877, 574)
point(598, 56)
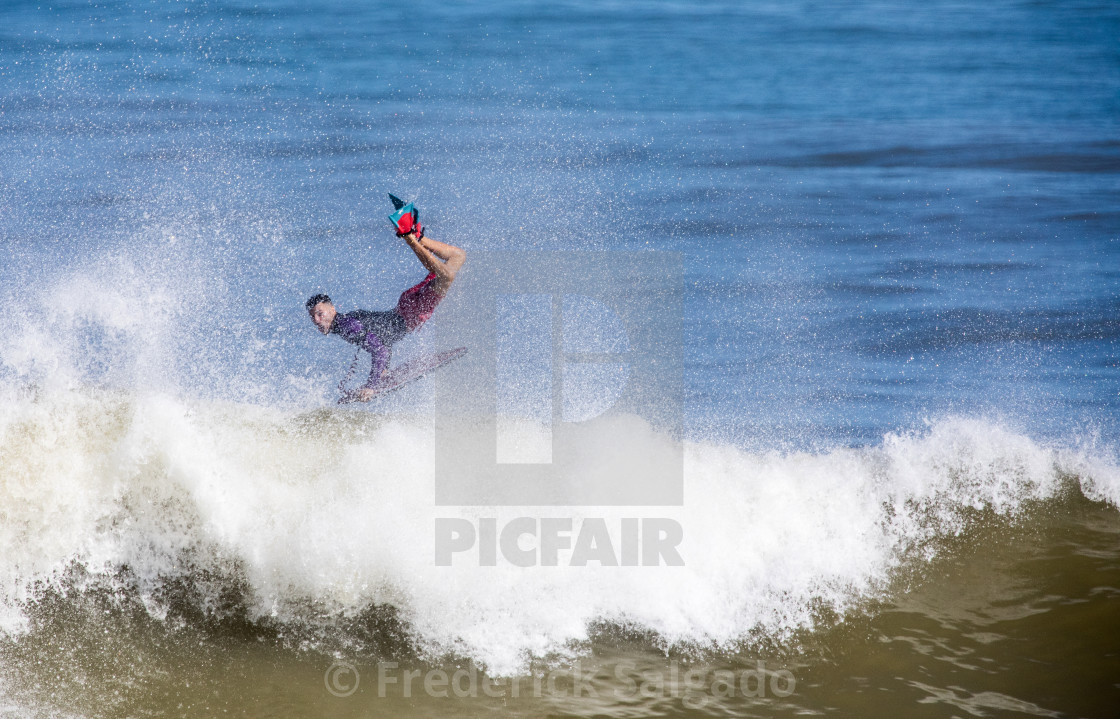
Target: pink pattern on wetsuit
point(418, 303)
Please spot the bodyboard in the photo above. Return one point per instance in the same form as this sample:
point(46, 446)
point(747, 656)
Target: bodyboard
point(406, 373)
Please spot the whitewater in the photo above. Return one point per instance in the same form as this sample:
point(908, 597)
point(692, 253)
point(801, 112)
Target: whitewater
point(313, 516)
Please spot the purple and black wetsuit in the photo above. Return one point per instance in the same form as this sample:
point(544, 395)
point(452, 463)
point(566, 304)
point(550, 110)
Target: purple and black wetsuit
point(377, 332)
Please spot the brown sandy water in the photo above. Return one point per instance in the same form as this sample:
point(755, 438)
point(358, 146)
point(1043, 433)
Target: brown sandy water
point(1017, 618)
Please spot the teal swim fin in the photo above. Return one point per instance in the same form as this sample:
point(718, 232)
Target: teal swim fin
point(406, 219)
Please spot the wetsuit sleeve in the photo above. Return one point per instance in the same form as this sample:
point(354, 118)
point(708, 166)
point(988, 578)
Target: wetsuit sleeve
point(380, 353)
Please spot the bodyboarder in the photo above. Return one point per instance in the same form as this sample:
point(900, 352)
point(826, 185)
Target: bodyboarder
point(377, 332)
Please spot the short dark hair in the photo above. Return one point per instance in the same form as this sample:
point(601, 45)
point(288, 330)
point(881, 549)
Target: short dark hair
point(316, 299)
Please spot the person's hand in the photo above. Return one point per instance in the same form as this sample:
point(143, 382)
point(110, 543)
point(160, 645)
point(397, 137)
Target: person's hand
point(365, 394)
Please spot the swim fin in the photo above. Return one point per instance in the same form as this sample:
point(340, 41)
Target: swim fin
point(406, 219)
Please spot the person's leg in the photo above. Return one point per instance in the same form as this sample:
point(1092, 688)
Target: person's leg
point(442, 259)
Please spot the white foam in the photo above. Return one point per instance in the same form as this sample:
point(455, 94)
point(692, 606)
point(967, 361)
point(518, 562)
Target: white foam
point(339, 509)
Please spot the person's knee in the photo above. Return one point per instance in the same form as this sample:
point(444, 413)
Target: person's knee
point(457, 261)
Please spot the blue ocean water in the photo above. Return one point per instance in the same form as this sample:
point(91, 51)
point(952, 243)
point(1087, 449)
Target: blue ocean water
point(899, 225)
point(888, 212)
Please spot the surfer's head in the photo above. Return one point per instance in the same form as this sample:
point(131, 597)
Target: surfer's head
point(322, 312)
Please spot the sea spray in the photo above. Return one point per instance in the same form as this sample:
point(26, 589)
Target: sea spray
point(321, 516)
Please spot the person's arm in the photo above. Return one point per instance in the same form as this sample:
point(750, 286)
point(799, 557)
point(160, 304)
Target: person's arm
point(380, 353)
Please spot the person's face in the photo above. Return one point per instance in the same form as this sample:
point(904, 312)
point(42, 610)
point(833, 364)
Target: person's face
point(322, 315)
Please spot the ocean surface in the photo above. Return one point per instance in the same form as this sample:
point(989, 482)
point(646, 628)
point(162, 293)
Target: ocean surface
point(899, 232)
